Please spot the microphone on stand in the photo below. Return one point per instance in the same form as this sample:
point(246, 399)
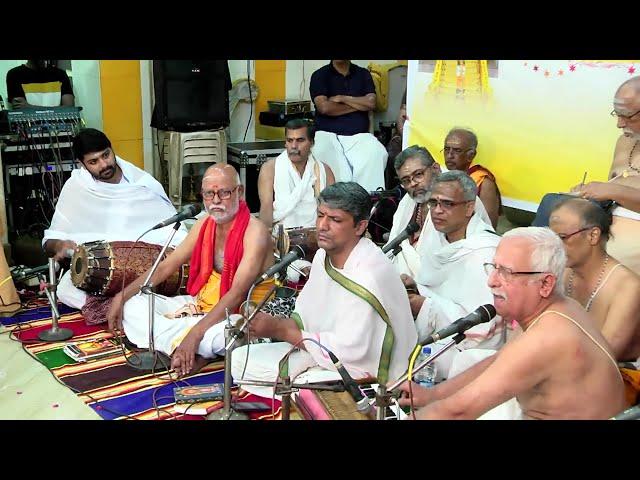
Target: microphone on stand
point(294, 254)
point(362, 402)
point(188, 211)
point(482, 314)
point(412, 228)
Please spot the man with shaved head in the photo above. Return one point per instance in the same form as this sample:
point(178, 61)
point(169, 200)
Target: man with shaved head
point(623, 185)
point(595, 279)
point(228, 249)
point(460, 148)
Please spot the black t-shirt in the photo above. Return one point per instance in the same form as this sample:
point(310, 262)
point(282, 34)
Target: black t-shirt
point(328, 81)
point(39, 87)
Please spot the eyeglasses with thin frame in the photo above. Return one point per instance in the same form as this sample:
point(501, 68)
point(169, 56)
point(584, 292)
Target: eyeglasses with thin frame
point(416, 176)
point(222, 194)
point(444, 204)
point(566, 236)
point(455, 150)
point(626, 117)
point(504, 272)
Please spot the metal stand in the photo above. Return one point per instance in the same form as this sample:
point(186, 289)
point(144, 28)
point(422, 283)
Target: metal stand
point(231, 332)
point(54, 334)
point(285, 388)
point(384, 394)
point(152, 360)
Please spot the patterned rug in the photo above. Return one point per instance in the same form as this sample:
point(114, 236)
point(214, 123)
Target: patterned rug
point(108, 385)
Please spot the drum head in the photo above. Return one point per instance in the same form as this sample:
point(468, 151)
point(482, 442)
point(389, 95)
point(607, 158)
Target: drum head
point(79, 266)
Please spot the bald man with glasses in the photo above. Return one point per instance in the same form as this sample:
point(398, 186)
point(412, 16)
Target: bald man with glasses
point(623, 184)
point(227, 249)
point(596, 280)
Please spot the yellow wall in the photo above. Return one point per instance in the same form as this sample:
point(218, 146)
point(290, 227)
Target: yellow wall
point(122, 108)
point(271, 79)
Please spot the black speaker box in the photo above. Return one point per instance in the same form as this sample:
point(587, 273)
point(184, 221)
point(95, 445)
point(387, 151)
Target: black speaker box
point(191, 95)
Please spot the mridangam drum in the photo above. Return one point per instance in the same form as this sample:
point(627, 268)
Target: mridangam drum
point(307, 238)
point(99, 267)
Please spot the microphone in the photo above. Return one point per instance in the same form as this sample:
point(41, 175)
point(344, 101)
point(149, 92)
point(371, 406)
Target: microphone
point(481, 314)
point(188, 211)
point(362, 402)
point(412, 228)
point(376, 195)
point(632, 413)
point(294, 254)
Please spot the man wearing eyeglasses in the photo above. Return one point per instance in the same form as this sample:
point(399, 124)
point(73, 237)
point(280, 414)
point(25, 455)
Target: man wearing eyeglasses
point(107, 198)
point(560, 367)
point(595, 279)
point(451, 281)
point(460, 149)
point(623, 185)
point(228, 249)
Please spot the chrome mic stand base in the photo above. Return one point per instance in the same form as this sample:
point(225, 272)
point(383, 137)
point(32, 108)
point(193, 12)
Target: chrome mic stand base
point(156, 361)
point(55, 335)
point(231, 332)
point(227, 415)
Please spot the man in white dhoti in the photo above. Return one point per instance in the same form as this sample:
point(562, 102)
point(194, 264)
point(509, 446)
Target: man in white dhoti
point(561, 367)
point(227, 250)
point(109, 199)
point(354, 305)
point(452, 281)
point(290, 184)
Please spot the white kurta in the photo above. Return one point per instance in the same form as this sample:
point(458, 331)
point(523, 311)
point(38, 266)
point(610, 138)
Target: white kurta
point(294, 202)
point(90, 210)
point(408, 260)
point(341, 321)
point(359, 158)
point(453, 280)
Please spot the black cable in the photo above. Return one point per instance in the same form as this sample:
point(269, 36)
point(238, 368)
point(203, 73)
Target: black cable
point(250, 100)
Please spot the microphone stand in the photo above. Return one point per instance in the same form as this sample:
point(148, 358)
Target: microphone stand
point(54, 334)
point(151, 359)
point(384, 394)
point(231, 334)
point(285, 388)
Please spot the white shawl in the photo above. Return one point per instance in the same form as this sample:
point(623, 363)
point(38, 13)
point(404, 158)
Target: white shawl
point(89, 210)
point(348, 325)
point(295, 204)
point(408, 260)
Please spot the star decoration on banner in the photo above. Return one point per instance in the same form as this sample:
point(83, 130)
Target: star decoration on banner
point(560, 72)
point(546, 73)
point(535, 68)
point(572, 68)
point(631, 70)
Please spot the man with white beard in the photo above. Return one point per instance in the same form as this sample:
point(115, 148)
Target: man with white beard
point(623, 186)
point(228, 249)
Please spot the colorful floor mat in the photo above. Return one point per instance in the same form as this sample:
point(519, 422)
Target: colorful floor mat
point(111, 387)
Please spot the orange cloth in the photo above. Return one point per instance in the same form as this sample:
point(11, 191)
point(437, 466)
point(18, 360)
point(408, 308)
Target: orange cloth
point(479, 174)
point(631, 385)
point(202, 259)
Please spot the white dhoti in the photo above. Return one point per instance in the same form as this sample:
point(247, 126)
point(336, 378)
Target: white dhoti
point(359, 158)
point(168, 332)
point(69, 294)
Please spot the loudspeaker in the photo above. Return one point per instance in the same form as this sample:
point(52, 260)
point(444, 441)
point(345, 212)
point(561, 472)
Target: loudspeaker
point(191, 95)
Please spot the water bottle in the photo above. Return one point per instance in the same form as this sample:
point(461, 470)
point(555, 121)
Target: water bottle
point(426, 377)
